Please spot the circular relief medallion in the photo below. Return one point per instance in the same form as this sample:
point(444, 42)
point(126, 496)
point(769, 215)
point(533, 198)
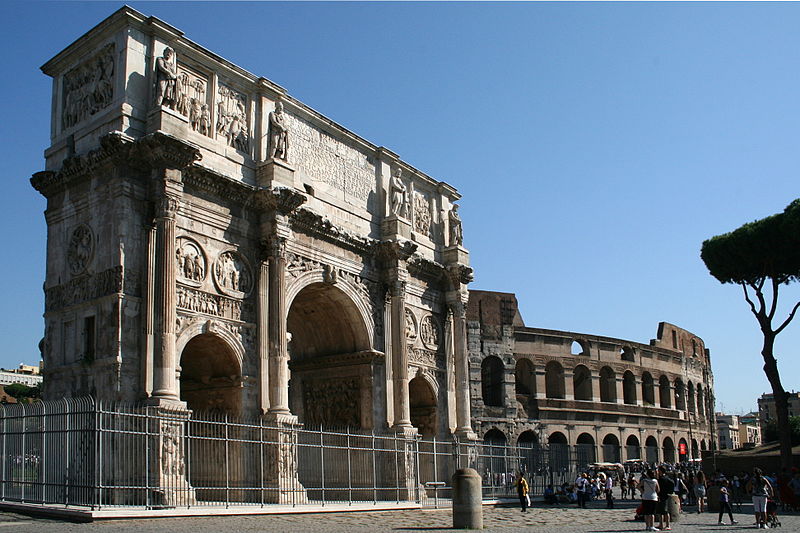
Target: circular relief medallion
point(80, 249)
point(411, 327)
point(190, 262)
point(232, 274)
point(429, 332)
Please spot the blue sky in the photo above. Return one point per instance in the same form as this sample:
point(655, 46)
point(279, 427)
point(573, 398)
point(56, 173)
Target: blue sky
point(596, 144)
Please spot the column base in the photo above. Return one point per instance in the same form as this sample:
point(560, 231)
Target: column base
point(281, 418)
point(465, 434)
point(165, 402)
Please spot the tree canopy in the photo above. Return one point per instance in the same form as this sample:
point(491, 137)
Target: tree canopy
point(766, 248)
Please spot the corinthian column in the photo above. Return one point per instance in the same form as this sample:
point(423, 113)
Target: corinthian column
point(263, 336)
point(402, 410)
point(463, 412)
point(278, 351)
point(165, 366)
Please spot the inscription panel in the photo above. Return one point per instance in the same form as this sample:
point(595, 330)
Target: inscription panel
point(328, 160)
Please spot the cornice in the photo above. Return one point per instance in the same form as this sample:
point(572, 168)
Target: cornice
point(156, 150)
point(307, 221)
point(218, 185)
point(113, 146)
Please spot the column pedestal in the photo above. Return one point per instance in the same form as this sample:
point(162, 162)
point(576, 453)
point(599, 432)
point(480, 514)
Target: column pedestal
point(282, 484)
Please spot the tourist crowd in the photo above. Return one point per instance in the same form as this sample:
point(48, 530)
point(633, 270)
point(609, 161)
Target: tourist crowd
point(664, 490)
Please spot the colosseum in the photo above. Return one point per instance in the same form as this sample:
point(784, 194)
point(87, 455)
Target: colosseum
point(586, 397)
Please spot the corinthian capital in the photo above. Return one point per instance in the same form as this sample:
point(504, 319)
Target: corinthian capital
point(167, 207)
point(276, 248)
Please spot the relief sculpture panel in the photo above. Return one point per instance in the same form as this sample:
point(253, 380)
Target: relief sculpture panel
point(88, 88)
point(429, 332)
point(191, 102)
point(190, 262)
point(233, 275)
point(210, 304)
point(333, 402)
point(422, 214)
point(232, 124)
point(80, 249)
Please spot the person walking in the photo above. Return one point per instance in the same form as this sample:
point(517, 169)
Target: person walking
point(609, 492)
point(700, 491)
point(725, 503)
point(648, 487)
point(522, 492)
point(666, 488)
point(760, 489)
point(582, 489)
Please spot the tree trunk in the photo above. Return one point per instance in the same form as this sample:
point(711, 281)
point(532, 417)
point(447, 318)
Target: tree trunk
point(781, 400)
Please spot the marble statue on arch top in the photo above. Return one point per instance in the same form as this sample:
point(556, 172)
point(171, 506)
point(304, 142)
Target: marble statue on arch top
point(456, 233)
point(166, 76)
point(398, 195)
point(278, 134)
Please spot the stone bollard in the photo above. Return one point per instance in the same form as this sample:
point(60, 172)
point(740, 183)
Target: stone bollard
point(467, 499)
point(674, 507)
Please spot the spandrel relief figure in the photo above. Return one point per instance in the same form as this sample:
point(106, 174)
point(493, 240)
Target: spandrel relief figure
point(456, 234)
point(278, 134)
point(398, 196)
point(166, 77)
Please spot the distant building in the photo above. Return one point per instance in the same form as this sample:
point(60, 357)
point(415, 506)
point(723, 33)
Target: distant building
point(766, 407)
point(26, 375)
point(728, 431)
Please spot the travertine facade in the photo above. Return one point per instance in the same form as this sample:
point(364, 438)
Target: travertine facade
point(608, 399)
point(214, 242)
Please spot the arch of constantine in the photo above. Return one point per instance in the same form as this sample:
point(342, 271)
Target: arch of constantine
point(215, 243)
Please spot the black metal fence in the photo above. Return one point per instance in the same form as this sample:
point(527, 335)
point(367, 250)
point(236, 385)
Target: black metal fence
point(83, 453)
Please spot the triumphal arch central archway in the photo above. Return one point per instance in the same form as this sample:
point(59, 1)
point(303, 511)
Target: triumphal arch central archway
point(216, 244)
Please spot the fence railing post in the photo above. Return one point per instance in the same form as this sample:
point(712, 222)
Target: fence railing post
point(349, 472)
point(322, 463)
point(147, 457)
point(227, 465)
point(5, 458)
point(374, 470)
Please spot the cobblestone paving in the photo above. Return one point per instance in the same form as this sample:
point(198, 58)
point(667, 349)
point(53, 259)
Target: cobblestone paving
point(496, 519)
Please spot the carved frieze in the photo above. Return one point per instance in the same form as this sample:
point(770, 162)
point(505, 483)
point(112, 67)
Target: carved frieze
point(80, 249)
point(233, 275)
point(84, 288)
point(190, 262)
point(332, 402)
point(429, 332)
point(232, 124)
point(411, 327)
point(421, 356)
point(422, 214)
point(211, 304)
point(88, 88)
